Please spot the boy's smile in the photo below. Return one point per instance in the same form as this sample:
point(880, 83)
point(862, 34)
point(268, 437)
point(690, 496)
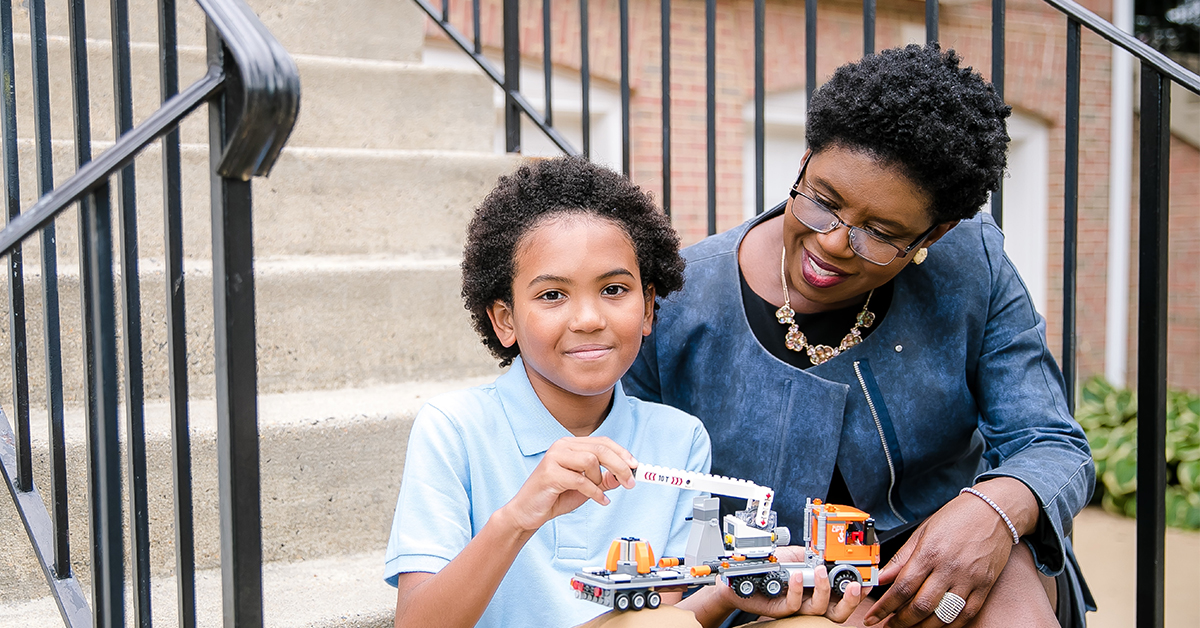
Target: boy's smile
point(578, 314)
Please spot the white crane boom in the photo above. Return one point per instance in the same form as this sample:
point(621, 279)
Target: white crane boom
point(759, 497)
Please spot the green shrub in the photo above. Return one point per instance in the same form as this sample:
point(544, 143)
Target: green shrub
point(1109, 416)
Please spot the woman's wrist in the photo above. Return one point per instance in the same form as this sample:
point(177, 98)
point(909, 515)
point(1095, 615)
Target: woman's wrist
point(1013, 498)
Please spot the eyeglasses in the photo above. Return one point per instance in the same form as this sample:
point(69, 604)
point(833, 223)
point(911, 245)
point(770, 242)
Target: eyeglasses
point(865, 243)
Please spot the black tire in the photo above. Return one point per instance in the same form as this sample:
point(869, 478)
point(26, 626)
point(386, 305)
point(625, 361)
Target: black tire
point(621, 602)
point(743, 586)
point(772, 584)
point(639, 600)
point(653, 600)
point(842, 579)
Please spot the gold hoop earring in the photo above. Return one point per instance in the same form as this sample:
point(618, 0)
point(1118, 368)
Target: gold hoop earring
point(920, 255)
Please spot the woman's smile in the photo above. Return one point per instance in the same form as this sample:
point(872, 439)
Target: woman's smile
point(819, 273)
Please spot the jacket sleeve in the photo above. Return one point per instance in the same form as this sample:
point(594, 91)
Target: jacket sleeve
point(1029, 433)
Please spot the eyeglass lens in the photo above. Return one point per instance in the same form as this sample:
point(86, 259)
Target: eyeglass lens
point(822, 220)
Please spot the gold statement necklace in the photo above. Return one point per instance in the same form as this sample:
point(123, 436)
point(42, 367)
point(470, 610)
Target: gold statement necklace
point(795, 340)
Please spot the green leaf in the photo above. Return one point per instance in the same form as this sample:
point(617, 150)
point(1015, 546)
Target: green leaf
point(1189, 476)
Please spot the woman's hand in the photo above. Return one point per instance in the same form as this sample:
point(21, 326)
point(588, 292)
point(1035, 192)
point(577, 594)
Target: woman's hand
point(572, 471)
point(961, 548)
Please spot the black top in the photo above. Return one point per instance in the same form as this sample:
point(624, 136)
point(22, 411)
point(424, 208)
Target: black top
point(825, 328)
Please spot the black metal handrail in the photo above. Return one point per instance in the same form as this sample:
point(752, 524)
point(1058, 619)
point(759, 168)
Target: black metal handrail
point(252, 88)
point(1158, 72)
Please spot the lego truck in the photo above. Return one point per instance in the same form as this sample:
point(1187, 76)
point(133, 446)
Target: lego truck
point(740, 548)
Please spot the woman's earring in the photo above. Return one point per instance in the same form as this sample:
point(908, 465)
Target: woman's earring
point(920, 255)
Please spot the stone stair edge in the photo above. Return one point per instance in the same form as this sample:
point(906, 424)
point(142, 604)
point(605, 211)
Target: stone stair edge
point(325, 408)
point(346, 590)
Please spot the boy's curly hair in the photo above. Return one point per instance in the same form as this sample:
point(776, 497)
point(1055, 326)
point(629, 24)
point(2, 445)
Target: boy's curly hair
point(541, 189)
point(916, 109)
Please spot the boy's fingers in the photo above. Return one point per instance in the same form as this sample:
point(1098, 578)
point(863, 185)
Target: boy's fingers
point(845, 607)
point(819, 602)
point(614, 458)
point(589, 489)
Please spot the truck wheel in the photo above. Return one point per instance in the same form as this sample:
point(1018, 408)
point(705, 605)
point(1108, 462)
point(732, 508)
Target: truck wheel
point(639, 600)
point(842, 576)
point(744, 587)
point(621, 602)
point(653, 600)
point(772, 584)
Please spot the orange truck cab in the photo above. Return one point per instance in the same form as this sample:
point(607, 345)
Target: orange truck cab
point(844, 538)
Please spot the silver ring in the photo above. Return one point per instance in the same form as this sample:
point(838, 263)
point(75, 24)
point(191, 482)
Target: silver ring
point(948, 609)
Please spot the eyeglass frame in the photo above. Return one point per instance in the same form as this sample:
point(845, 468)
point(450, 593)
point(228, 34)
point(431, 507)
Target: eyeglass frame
point(900, 252)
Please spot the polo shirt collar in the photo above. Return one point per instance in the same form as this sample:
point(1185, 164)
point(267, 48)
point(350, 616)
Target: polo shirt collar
point(536, 429)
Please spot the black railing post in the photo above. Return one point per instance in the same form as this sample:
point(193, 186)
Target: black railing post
point(585, 80)
point(710, 64)
point(181, 455)
point(998, 83)
point(868, 26)
point(131, 323)
point(626, 165)
point(810, 50)
point(931, 20)
point(512, 75)
point(107, 563)
point(16, 275)
point(760, 96)
point(1071, 210)
point(547, 62)
point(666, 105)
point(235, 363)
point(1152, 345)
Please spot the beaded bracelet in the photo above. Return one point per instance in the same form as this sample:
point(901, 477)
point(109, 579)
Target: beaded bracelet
point(1007, 522)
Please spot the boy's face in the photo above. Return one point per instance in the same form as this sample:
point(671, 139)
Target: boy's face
point(578, 311)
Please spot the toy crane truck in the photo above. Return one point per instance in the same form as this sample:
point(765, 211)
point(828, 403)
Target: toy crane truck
point(742, 551)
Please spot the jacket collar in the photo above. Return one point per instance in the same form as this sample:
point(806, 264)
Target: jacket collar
point(536, 429)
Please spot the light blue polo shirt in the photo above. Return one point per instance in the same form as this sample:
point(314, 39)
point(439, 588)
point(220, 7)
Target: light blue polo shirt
point(471, 450)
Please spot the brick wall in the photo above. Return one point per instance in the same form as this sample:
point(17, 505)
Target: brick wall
point(1034, 84)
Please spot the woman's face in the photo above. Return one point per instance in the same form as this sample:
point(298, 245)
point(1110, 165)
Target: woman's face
point(822, 268)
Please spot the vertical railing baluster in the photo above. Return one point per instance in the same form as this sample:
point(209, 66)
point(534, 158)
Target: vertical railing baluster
point(445, 10)
point(585, 79)
point(710, 57)
point(931, 20)
point(476, 26)
point(547, 63)
point(83, 154)
point(623, 10)
point(1071, 210)
point(181, 454)
point(666, 105)
point(131, 323)
point(760, 123)
point(1153, 213)
point(16, 273)
point(52, 338)
point(810, 50)
point(238, 476)
point(512, 75)
point(108, 562)
point(868, 26)
point(998, 83)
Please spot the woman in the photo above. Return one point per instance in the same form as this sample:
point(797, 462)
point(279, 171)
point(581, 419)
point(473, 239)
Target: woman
point(830, 359)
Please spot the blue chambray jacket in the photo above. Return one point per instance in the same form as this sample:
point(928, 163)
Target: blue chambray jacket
point(956, 385)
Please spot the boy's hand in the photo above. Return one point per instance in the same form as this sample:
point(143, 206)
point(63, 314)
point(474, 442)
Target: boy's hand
point(573, 471)
point(801, 601)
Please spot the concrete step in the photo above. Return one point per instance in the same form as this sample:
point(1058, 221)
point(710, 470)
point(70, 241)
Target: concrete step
point(344, 591)
point(322, 323)
point(368, 29)
point(316, 201)
point(345, 102)
point(331, 469)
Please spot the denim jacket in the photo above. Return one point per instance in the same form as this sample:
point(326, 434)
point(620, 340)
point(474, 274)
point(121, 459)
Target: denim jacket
point(956, 385)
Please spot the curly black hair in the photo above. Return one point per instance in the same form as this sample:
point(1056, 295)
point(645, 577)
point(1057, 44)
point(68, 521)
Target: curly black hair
point(547, 188)
point(914, 108)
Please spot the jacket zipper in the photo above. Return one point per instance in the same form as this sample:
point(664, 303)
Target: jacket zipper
point(882, 440)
